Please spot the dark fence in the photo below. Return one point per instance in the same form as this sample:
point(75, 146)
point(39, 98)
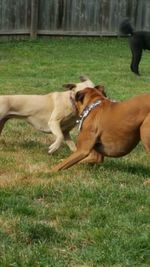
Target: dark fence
point(71, 17)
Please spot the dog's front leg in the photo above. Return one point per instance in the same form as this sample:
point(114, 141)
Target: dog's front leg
point(55, 128)
point(69, 142)
point(74, 158)
point(85, 143)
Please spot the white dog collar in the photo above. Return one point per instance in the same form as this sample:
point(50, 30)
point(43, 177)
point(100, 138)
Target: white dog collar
point(86, 112)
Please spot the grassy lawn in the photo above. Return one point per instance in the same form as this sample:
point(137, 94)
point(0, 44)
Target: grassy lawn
point(85, 216)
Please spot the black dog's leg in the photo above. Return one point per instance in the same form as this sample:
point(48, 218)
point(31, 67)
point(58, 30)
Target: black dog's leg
point(136, 57)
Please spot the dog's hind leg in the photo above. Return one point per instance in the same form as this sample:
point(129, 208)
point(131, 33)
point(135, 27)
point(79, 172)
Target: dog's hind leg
point(145, 133)
point(93, 157)
point(136, 57)
point(2, 123)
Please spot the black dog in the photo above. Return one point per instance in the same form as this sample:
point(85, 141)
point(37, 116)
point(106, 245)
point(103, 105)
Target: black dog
point(139, 41)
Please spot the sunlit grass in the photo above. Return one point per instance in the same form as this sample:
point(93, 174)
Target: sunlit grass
point(84, 216)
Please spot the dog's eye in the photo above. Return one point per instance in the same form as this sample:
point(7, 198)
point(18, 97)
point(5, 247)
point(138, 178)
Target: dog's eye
point(79, 97)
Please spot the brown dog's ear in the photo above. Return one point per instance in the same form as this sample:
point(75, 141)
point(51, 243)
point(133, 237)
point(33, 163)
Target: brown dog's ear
point(69, 86)
point(101, 89)
point(79, 96)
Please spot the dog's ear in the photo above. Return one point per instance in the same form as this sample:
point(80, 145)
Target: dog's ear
point(101, 89)
point(69, 86)
point(83, 78)
point(79, 96)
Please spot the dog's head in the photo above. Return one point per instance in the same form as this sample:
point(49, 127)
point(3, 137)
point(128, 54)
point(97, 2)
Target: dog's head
point(89, 95)
point(85, 82)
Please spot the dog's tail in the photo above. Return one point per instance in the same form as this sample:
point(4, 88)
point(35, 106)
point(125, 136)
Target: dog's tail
point(126, 28)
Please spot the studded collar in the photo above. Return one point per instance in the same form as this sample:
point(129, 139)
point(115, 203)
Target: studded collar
point(86, 112)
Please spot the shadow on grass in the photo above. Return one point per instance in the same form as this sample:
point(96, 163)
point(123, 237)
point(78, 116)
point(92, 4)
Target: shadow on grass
point(31, 144)
point(39, 232)
point(27, 145)
point(115, 166)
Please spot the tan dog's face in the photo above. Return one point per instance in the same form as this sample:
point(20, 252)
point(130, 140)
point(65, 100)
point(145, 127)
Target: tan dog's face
point(75, 87)
point(88, 95)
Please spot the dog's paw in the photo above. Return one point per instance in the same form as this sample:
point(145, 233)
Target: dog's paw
point(54, 169)
point(73, 147)
point(52, 148)
point(147, 182)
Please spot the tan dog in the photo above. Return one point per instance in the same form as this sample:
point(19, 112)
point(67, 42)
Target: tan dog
point(51, 113)
point(109, 128)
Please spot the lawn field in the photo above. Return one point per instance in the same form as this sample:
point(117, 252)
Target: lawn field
point(85, 216)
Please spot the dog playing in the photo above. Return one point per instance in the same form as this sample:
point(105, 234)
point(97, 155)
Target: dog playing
point(51, 113)
point(108, 128)
point(138, 40)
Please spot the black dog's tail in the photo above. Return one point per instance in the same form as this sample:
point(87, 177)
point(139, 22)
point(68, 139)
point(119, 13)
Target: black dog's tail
point(126, 28)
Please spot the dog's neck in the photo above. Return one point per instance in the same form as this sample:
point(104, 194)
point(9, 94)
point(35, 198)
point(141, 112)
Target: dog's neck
point(88, 108)
point(86, 112)
point(73, 104)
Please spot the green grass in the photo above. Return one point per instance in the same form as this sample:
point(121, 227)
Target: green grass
point(85, 216)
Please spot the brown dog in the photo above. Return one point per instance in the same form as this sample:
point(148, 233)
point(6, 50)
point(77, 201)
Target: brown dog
point(108, 128)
